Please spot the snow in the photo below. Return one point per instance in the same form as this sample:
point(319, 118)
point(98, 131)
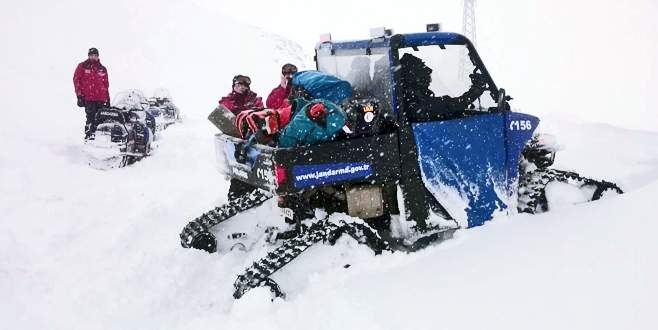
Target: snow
point(88, 249)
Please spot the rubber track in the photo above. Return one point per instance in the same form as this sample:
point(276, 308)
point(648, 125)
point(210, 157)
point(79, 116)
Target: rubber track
point(202, 224)
point(258, 274)
point(532, 187)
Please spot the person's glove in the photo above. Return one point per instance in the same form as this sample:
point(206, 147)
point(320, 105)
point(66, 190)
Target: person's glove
point(477, 80)
point(318, 114)
point(241, 123)
point(255, 121)
point(271, 122)
point(264, 119)
point(81, 101)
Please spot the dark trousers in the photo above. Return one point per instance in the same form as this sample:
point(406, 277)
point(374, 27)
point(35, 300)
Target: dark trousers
point(239, 189)
point(91, 108)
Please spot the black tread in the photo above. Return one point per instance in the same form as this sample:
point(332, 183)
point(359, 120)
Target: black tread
point(258, 274)
point(532, 187)
point(196, 233)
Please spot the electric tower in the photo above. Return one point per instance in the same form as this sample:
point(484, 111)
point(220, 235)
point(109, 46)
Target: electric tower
point(468, 30)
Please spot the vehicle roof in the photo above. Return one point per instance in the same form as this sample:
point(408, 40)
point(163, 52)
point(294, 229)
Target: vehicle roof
point(409, 40)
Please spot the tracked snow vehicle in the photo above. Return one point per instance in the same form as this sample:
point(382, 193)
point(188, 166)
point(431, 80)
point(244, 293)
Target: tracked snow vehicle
point(410, 168)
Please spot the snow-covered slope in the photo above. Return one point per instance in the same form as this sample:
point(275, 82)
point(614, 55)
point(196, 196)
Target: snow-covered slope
point(88, 249)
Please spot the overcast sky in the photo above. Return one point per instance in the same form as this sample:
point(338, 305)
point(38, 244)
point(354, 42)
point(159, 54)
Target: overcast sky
point(589, 59)
point(304, 20)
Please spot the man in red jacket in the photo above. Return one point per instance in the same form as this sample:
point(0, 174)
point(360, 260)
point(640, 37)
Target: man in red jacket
point(278, 97)
point(91, 87)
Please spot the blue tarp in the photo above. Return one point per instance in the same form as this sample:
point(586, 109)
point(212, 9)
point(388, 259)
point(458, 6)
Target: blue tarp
point(322, 85)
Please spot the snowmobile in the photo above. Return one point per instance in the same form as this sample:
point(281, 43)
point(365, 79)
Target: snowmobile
point(400, 177)
point(160, 105)
point(124, 133)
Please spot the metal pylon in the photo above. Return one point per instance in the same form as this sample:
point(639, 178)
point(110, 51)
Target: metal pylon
point(468, 30)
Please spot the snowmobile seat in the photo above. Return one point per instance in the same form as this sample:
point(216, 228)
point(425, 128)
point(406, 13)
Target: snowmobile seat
point(110, 114)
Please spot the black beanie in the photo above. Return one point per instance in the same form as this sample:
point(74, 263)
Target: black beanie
point(92, 51)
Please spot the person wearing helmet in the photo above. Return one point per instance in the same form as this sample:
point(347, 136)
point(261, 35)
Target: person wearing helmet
point(91, 84)
point(241, 97)
point(278, 97)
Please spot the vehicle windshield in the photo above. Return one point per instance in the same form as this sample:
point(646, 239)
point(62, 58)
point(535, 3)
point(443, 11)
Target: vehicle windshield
point(450, 69)
point(369, 75)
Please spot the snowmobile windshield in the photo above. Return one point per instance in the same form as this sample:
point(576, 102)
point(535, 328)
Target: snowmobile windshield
point(451, 72)
point(131, 99)
point(368, 72)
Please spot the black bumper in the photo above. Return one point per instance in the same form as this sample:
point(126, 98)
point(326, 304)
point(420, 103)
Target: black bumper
point(373, 159)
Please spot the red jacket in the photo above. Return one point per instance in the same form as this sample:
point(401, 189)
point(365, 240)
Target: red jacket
point(278, 97)
point(239, 102)
point(91, 81)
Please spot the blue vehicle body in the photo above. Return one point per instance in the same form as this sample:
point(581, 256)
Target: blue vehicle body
point(473, 158)
point(476, 157)
point(462, 165)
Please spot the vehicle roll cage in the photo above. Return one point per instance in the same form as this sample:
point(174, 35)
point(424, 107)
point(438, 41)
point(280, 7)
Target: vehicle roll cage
point(396, 42)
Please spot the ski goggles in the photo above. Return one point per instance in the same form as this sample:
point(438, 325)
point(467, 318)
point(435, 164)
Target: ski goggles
point(242, 80)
